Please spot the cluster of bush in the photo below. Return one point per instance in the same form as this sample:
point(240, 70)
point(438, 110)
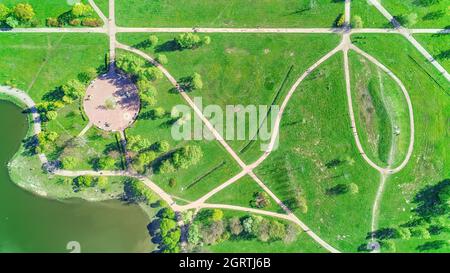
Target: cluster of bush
point(169, 232)
point(191, 41)
point(145, 153)
point(211, 227)
point(80, 14)
point(20, 14)
point(182, 158)
point(143, 75)
point(86, 181)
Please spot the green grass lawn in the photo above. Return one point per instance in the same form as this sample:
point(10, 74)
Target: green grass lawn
point(429, 163)
point(103, 5)
point(370, 16)
point(432, 16)
point(241, 193)
point(437, 45)
point(38, 63)
point(228, 13)
point(317, 152)
point(381, 112)
point(245, 69)
point(46, 8)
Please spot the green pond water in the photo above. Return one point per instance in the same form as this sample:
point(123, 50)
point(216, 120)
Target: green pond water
point(29, 223)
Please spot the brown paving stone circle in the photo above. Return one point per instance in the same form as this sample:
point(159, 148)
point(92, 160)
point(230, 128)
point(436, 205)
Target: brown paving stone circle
point(112, 102)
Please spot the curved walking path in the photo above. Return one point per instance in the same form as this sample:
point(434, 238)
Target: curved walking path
point(111, 29)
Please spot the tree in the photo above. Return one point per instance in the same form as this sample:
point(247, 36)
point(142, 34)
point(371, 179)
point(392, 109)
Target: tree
point(102, 182)
point(167, 213)
point(80, 9)
point(51, 136)
point(150, 73)
point(153, 40)
point(188, 40)
point(162, 146)
point(68, 162)
point(166, 226)
point(420, 232)
point(4, 12)
point(84, 181)
point(291, 233)
point(73, 89)
point(172, 182)
point(353, 188)
point(247, 224)
point(147, 100)
point(357, 21)
point(23, 12)
point(206, 40)
point(12, 22)
point(187, 156)
point(261, 199)
point(196, 82)
point(51, 115)
point(158, 112)
point(277, 230)
point(217, 215)
point(411, 19)
point(143, 160)
point(194, 234)
point(405, 233)
point(171, 240)
point(137, 143)
point(388, 246)
point(213, 233)
point(105, 163)
point(162, 59)
point(262, 229)
point(145, 86)
point(166, 167)
point(235, 226)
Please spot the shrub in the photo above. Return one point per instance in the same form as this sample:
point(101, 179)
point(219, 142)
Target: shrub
point(172, 182)
point(91, 22)
point(102, 182)
point(153, 40)
point(75, 22)
point(105, 163)
point(68, 162)
point(12, 22)
point(357, 21)
point(217, 215)
point(52, 22)
point(162, 59)
point(84, 181)
point(340, 20)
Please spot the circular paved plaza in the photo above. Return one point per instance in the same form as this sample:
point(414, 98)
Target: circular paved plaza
point(112, 102)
